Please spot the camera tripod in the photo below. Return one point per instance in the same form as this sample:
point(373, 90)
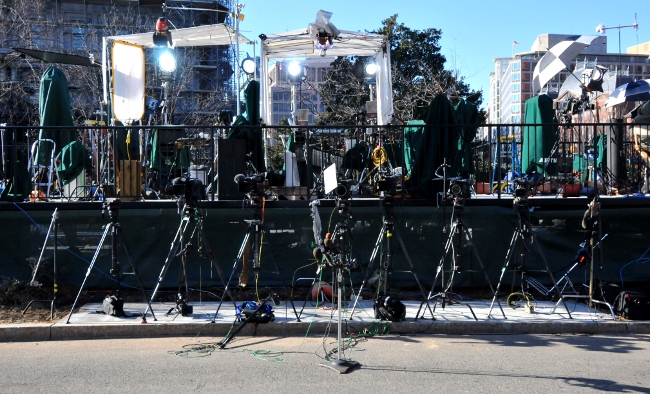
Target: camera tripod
point(54, 225)
point(181, 247)
point(518, 249)
point(453, 248)
point(386, 234)
point(113, 227)
point(253, 242)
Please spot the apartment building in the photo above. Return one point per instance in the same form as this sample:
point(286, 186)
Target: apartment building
point(306, 92)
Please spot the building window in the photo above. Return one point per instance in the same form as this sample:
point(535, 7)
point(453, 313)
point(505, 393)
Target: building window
point(516, 76)
point(516, 66)
point(516, 87)
point(78, 39)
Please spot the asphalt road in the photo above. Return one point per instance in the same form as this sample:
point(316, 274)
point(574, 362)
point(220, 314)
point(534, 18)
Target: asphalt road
point(389, 364)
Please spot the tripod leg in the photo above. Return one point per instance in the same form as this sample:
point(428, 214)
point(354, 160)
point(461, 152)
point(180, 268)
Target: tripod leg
point(135, 273)
point(232, 273)
point(412, 267)
point(170, 256)
point(53, 225)
point(373, 256)
point(210, 255)
point(557, 290)
point(90, 267)
point(509, 255)
point(40, 257)
point(439, 272)
point(480, 261)
point(279, 272)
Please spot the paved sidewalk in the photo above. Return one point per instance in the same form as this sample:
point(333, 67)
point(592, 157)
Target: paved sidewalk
point(89, 322)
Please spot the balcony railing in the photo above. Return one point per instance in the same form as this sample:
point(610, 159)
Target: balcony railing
point(150, 162)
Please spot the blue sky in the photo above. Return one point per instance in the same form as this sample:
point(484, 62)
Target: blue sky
point(474, 32)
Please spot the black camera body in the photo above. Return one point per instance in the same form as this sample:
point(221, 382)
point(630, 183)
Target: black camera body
point(388, 184)
point(191, 189)
point(460, 188)
point(113, 206)
point(252, 186)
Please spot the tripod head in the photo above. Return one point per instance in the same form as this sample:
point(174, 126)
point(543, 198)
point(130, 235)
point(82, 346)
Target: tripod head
point(523, 188)
point(113, 206)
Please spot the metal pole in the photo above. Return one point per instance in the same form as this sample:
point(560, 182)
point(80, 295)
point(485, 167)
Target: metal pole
point(237, 9)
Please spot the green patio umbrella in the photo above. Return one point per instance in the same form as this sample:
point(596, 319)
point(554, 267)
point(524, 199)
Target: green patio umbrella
point(54, 109)
point(430, 148)
point(538, 139)
point(466, 114)
point(413, 134)
point(252, 135)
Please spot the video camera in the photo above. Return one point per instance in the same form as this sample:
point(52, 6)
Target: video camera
point(252, 186)
point(344, 189)
point(113, 206)
point(388, 184)
point(460, 188)
point(191, 189)
point(525, 186)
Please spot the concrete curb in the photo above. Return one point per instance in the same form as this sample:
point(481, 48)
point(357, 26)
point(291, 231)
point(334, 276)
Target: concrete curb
point(62, 331)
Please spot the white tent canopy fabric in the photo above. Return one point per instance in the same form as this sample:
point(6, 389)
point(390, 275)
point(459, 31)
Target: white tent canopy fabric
point(299, 44)
point(208, 35)
point(199, 36)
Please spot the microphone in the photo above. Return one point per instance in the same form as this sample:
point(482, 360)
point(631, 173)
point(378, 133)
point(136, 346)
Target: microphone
point(239, 178)
point(318, 254)
point(328, 242)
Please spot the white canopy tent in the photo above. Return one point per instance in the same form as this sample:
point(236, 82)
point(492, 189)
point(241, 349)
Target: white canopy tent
point(299, 44)
point(208, 35)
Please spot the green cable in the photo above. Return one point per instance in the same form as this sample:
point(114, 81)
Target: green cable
point(275, 354)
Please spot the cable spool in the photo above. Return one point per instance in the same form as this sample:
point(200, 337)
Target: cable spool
point(379, 156)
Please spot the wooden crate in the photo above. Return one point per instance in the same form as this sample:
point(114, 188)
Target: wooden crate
point(130, 183)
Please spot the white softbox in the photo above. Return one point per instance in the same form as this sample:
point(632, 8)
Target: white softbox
point(128, 64)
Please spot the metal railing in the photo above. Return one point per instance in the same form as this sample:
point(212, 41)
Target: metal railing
point(137, 163)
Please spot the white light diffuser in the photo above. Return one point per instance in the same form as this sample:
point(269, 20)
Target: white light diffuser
point(329, 179)
point(127, 62)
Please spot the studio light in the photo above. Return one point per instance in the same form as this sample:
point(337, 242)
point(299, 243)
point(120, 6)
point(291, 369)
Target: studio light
point(371, 69)
point(296, 72)
point(248, 65)
point(596, 79)
point(166, 64)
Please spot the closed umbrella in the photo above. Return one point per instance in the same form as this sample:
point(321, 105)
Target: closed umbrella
point(54, 108)
point(539, 138)
point(558, 58)
point(466, 115)
point(430, 147)
point(633, 91)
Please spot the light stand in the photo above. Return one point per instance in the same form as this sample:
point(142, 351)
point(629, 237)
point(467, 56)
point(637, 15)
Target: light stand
point(517, 248)
point(337, 255)
point(340, 364)
point(458, 190)
point(113, 227)
point(386, 233)
point(54, 225)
